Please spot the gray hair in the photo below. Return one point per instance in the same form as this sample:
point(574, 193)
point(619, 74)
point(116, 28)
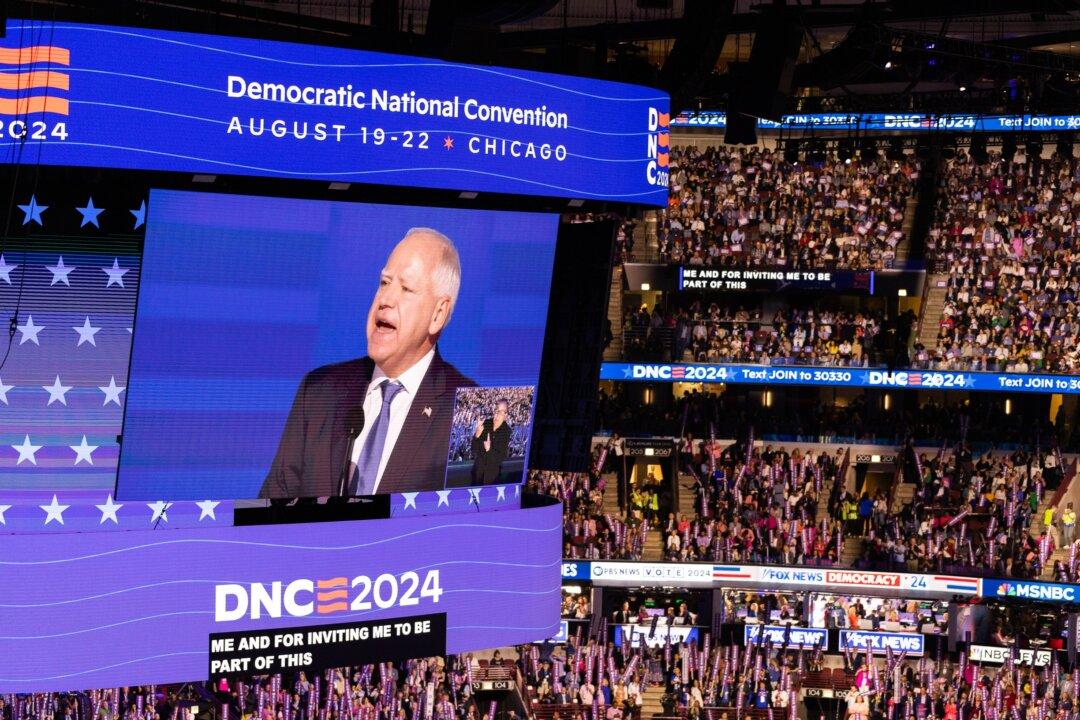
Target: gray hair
point(447, 275)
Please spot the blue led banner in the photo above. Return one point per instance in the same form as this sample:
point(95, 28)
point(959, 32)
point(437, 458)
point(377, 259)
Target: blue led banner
point(783, 635)
point(893, 122)
point(839, 377)
point(1026, 589)
point(913, 644)
point(142, 99)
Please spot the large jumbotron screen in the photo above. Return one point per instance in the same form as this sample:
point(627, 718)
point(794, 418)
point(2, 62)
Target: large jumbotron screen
point(263, 323)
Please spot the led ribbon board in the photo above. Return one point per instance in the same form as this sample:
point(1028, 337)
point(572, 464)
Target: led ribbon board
point(104, 609)
point(891, 122)
point(838, 376)
point(99, 96)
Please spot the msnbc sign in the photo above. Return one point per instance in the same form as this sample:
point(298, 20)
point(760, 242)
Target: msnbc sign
point(1052, 592)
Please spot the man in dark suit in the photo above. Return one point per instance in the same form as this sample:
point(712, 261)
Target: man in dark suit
point(491, 445)
point(404, 386)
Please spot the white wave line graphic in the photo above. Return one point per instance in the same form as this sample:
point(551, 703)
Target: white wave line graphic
point(121, 591)
point(354, 66)
point(608, 132)
point(506, 592)
point(486, 562)
point(151, 110)
point(130, 621)
point(503, 627)
point(108, 627)
point(279, 546)
point(240, 582)
point(348, 173)
point(104, 667)
point(114, 73)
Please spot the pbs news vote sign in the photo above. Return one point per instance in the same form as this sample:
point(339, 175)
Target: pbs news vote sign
point(103, 609)
point(100, 96)
point(859, 377)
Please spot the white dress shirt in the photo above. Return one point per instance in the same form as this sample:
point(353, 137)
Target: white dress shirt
point(399, 409)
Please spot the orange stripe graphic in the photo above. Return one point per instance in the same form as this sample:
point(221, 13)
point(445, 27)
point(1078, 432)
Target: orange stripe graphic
point(662, 159)
point(662, 138)
point(332, 582)
point(36, 79)
point(35, 54)
point(333, 608)
point(334, 595)
point(32, 105)
point(665, 118)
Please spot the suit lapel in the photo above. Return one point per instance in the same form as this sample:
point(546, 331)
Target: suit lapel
point(352, 395)
point(415, 433)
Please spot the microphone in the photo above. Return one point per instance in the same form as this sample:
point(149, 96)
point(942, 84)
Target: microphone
point(354, 423)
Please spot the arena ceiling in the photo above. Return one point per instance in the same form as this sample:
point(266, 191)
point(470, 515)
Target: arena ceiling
point(978, 54)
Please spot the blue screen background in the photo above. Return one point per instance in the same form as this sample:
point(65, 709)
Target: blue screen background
point(241, 296)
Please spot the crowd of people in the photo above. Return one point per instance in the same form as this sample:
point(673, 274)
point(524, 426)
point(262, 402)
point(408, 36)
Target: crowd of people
point(436, 688)
point(697, 677)
point(713, 679)
point(590, 532)
point(979, 419)
point(725, 333)
point(751, 206)
point(1005, 233)
point(969, 515)
point(758, 506)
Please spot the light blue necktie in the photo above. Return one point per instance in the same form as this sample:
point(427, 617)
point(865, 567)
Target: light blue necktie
point(367, 466)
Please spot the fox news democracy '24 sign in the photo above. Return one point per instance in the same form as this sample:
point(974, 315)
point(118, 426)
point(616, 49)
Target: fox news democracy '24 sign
point(840, 377)
point(100, 96)
point(707, 575)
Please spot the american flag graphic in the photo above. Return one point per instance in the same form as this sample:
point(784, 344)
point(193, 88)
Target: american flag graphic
point(35, 85)
point(63, 384)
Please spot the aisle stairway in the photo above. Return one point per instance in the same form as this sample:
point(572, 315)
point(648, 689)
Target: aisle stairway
point(903, 249)
point(930, 315)
point(654, 541)
point(654, 546)
point(651, 701)
point(1061, 554)
point(852, 550)
point(686, 496)
point(904, 493)
point(646, 247)
point(615, 314)
point(611, 495)
point(1037, 526)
